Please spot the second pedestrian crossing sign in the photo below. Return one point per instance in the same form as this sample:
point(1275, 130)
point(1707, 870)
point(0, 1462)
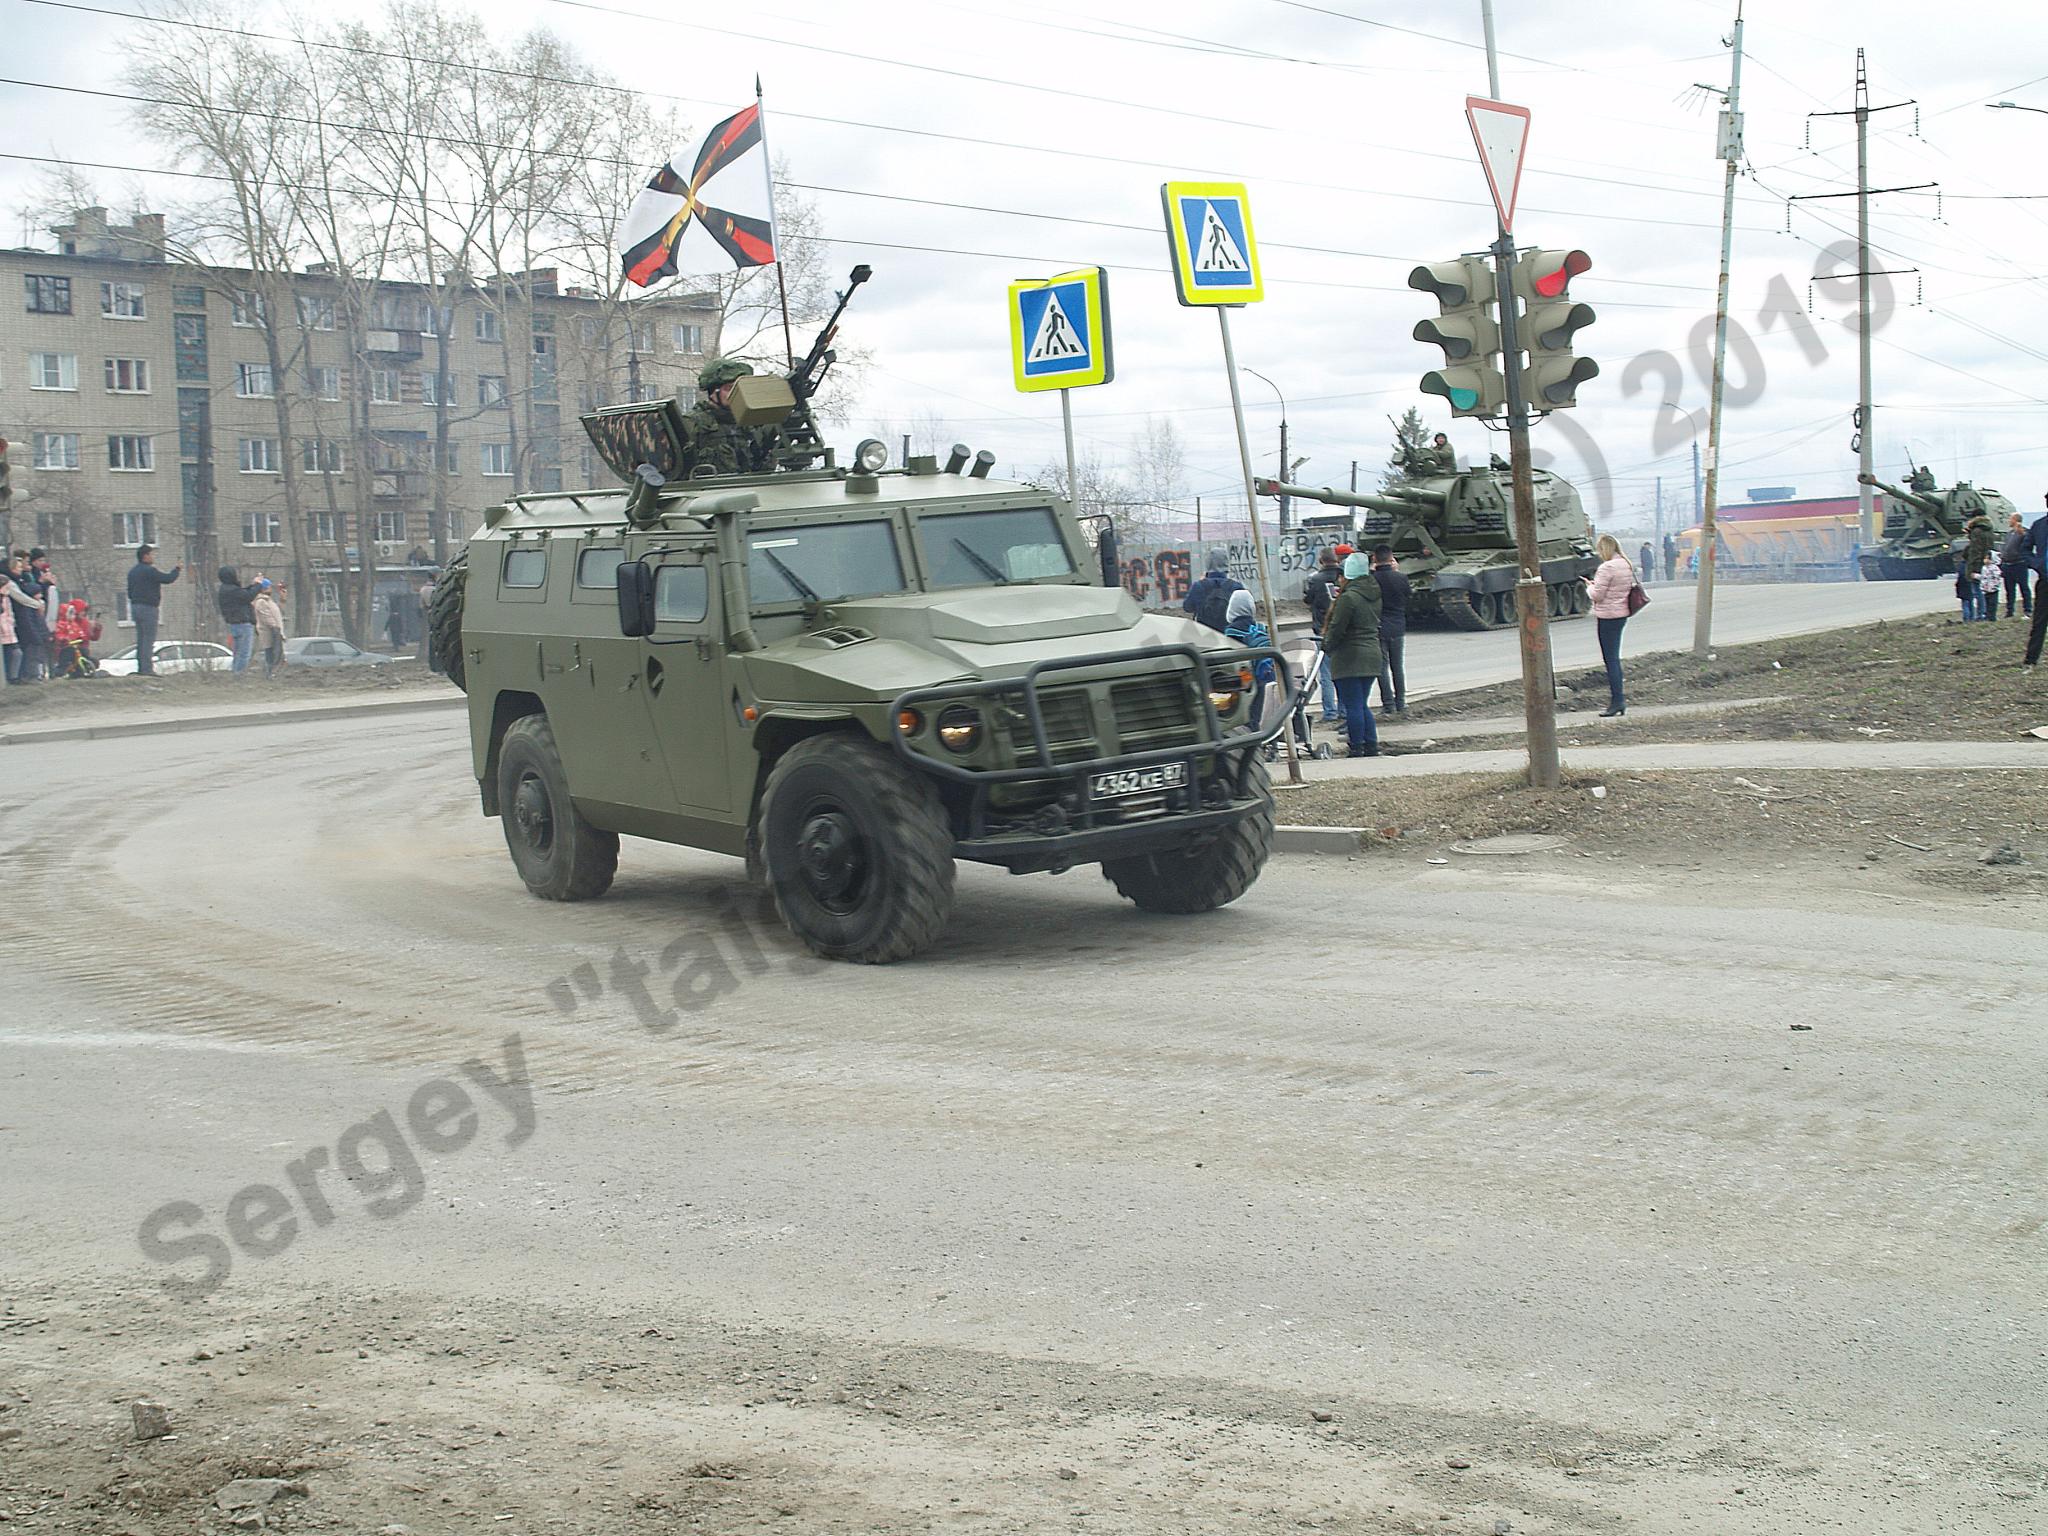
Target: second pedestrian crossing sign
point(1215, 257)
point(1059, 331)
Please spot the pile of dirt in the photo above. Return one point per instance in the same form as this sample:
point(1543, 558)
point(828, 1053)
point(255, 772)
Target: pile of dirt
point(1983, 832)
point(1918, 679)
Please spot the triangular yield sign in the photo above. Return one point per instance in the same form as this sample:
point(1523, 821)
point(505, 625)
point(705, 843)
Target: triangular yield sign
point(1218, 251)
point(1056, 337)
point(1501, 133)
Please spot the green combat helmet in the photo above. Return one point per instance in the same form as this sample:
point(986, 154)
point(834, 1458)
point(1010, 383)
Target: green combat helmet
point(721, 370)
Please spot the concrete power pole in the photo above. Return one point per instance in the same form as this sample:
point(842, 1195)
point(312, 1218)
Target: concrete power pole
point(1731, 152)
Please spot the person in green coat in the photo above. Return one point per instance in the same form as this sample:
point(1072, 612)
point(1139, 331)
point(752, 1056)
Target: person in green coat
point(1351, 648)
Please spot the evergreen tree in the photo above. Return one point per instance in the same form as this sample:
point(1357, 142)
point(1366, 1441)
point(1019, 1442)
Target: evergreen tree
point(1411, 433)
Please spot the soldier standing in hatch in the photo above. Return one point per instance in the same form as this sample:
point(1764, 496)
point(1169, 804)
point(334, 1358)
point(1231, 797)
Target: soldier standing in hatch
point(1441, 457)
point(711, 438)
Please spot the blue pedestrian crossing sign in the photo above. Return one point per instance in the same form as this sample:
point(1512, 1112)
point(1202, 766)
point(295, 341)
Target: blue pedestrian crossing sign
point(1059, 331)
point(1209, 228)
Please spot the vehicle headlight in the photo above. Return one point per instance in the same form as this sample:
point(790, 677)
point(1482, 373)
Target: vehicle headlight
point(1227, 689)
point(959, 729)
point(871, 456)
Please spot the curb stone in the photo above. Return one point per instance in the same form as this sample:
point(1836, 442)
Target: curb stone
point(1337, 840)
point(114, 728)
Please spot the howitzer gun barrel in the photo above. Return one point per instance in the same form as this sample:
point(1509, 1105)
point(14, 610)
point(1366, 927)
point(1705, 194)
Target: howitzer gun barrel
point(1920, 501)
point(1407, 504)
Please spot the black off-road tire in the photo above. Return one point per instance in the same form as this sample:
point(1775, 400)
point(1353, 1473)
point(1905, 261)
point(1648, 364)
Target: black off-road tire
point(444, 620)
point(858, 849)
point(1205, 878)
point(559, 855)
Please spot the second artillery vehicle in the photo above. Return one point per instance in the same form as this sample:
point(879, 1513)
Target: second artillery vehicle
point(1924, 527)
point(1454, 536)
point(849, 676)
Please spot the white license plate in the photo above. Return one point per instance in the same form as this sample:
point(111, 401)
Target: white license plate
point(1137, 781)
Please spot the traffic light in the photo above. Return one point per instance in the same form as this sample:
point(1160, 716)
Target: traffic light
point(1470, 378)
point(1548, 322)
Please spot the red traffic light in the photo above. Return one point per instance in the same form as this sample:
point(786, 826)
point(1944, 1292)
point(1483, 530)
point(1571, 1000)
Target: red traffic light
point(1552, 270)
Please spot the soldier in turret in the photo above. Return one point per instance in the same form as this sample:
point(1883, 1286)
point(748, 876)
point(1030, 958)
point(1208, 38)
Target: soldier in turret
point(712, 440)
point(1922, 479)
point(1442, 457)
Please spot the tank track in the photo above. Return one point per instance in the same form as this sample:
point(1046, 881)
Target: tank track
point(1456, 606)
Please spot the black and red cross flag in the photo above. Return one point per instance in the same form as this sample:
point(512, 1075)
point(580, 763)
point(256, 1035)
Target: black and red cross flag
point(716, 217)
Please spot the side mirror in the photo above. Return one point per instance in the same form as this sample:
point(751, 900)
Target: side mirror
point(636, 599)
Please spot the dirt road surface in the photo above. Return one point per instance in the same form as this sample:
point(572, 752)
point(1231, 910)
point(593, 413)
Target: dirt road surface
point(1499, 1197)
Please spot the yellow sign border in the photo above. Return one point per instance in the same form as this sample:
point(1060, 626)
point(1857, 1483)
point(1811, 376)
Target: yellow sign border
point(1101, 368)
point(1170, 194)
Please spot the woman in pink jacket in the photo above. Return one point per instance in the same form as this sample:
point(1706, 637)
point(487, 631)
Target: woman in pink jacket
point(1611, 585)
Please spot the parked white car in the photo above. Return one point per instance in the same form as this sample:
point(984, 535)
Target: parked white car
point(322, 651)
point(172, 656)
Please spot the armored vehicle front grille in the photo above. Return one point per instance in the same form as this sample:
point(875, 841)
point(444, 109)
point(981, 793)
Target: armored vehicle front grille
point(1154, 712)
point(1069, 726)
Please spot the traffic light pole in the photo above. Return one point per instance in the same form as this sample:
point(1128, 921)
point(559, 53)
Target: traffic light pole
point(1532, 609)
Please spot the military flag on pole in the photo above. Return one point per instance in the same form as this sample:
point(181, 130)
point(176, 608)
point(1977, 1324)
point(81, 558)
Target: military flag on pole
point(717, 216)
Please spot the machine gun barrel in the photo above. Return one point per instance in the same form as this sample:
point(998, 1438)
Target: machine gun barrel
point(1410, 502)
point(805, 378)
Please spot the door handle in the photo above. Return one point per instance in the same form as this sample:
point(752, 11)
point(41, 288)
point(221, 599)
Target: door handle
point(654, 675)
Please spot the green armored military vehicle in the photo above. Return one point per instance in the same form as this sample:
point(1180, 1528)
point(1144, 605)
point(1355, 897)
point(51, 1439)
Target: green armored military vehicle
point(1455, 538)
point(851, 677)
point(1923, 533)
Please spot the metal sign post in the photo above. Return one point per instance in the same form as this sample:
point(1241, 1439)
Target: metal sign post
point(1067, 427)
point(1216, 264)
point(1500, 132)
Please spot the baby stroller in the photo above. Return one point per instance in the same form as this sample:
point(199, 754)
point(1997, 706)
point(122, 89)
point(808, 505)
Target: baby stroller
point(1310, 667)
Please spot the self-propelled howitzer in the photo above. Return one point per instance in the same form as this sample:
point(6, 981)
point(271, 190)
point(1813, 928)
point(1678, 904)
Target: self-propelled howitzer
point(1454, 536)
point(1924, 530)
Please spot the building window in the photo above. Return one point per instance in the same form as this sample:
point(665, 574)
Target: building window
point(319, 456)
point(47, 295)
point(589, 467)
point(60, 530)
point(430, 319)
point(391, 525)
point(247, 308)
point(56, 450)
point(127, 376)
point(490, 391)
point(52, 370)
point(253, 382)
point(325, 382)
point(320, 527)
point(383, 386)
point(189, 337)
point(128, 451)
point(454, 457)
point(121, 301)
point(487, 326)
point(262, 528)
point(689, 338)
point(133, 528)
point(640, 338)
point(123, 614)
point(259, 456)
point(496, 458)
point(184, 297)
point(316, 313)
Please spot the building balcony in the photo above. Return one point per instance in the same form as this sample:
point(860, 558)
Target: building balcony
point(397, 484)
point(402, 344)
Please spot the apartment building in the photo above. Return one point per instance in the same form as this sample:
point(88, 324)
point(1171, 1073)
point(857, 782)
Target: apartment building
point(141, 406)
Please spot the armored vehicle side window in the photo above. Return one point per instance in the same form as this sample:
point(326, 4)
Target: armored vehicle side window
point(599, 568)
point(525, 567)
point(822, 562)
point(682, 594)
point(972, 549)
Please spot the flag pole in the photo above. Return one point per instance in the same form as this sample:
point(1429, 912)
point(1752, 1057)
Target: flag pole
point(774, 230)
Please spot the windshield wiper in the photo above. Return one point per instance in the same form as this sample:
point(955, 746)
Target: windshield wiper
point(790, 576)
point(988, 567)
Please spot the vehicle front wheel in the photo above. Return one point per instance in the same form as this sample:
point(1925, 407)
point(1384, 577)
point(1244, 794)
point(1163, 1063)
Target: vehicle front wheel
point(1206, 877)
point(858, 849)
point(559, 855)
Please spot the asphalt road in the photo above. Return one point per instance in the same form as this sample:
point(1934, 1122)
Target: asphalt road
point(1442, 660)
point(1519, 1165)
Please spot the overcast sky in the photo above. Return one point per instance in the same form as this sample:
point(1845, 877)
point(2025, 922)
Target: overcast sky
point(1346, 120)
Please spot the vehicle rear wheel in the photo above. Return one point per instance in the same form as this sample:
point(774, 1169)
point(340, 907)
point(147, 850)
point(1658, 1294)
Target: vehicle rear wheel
point(1204, 878)
point(859, 851)
point(444, 620)
point(559, 855)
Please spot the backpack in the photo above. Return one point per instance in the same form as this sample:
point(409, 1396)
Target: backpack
point(1213, 607)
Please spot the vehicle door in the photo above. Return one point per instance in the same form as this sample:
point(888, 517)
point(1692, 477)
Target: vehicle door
point(683, 682)
point(594, 683)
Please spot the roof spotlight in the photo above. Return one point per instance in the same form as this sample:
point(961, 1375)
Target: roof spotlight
point(957, 459)
point(984, 461)
point(871, 456)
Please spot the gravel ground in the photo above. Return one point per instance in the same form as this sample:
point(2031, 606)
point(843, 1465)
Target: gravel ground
point(196, 692)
